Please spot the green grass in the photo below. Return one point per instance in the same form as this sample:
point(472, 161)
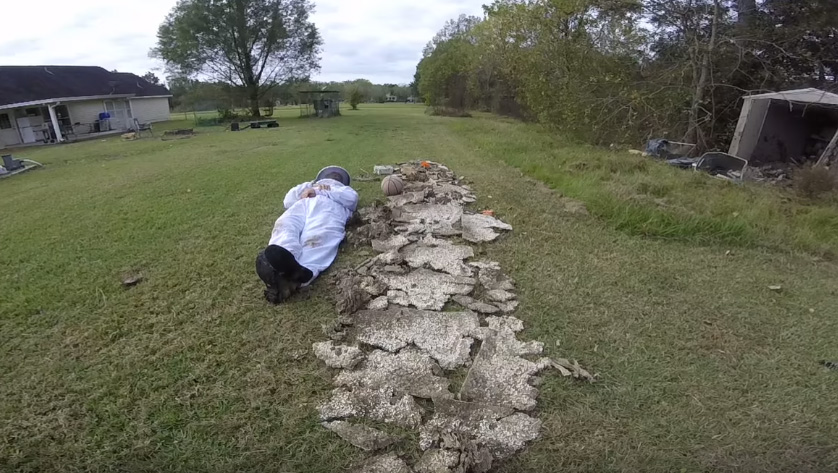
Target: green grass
point(703, 368)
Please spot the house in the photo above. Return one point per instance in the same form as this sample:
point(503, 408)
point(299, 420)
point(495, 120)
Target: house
point(391, 98)
point(51, 104)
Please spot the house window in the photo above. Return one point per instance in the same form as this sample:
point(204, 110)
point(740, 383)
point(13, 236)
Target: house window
point(32, 112)
point(5, 123)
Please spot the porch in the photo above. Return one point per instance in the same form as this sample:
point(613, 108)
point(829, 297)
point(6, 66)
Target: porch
point(64, 121)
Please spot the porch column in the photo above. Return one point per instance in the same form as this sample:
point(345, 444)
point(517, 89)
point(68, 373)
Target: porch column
point(55, 126)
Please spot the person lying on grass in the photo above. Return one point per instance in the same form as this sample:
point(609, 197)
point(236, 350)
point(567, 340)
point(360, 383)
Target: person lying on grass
point(306, 237)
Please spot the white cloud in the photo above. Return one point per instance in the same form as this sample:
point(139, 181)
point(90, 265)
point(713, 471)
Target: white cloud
point(375, 39)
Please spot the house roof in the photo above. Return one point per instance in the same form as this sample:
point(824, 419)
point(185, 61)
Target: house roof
point(800, 95)
point(42, 84)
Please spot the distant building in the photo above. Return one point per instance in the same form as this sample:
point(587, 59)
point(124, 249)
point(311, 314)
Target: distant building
point(391, 98)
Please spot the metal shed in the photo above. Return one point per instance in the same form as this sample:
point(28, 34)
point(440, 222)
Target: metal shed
point(319, 103)
point(794, 126)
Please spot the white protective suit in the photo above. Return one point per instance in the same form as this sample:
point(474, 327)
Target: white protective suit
point(312, 229)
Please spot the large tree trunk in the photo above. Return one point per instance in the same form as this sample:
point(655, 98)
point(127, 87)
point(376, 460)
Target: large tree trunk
point(253, 98)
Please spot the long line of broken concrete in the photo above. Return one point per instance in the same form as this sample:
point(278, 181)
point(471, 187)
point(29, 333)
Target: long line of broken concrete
point(395, 342)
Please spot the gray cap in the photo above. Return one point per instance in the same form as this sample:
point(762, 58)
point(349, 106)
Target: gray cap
point(343, 173)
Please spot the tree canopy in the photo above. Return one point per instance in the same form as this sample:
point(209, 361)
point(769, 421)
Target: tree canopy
point(622, 70)
point(252, 44)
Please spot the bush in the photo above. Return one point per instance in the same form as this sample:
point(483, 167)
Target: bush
point(813, 182)
point(227, 114)
point(355, 97)
point(449, 112)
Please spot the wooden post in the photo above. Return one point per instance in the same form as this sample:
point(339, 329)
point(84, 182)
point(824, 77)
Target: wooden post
point(829, 152)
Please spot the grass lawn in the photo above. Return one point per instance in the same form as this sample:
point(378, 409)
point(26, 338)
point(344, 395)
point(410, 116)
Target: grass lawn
point(663, 290)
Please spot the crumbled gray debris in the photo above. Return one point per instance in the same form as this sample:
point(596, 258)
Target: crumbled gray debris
point(478, 227)
point(361, 436)
point(394, 243)
point(499, 377)
point(437, 461)
point(442, 335)
point(483, 308)
point(507, 307)
point(338, 356)
point(491, 277)
point(391, 257)
point(505, 323)
point(425, 289)
point(376, 404)
point(380, 303)
point(440, 255)
point(500, 429)
point(386, 463)
point(407, 198)
point(499, 295)
point(407, 371)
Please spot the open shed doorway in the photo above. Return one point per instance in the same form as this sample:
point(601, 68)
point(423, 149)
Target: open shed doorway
point(795, 127)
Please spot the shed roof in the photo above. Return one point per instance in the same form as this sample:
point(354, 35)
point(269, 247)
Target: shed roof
point(28, 84)
point(800, 95)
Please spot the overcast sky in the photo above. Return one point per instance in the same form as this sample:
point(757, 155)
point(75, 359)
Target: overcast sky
point(380, 40)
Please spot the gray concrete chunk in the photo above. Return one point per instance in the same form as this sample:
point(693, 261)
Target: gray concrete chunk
point(442, 335)
point(498, 428)
point(407, 371)
point(479, 228)
point(380, 303)
point(437, 461)
point(440, 255)
point(381, 405)
point(361, 436)
point(426, 289)
point(337, 356)
point(498, 376)
point(394, 243)
point(438, 219)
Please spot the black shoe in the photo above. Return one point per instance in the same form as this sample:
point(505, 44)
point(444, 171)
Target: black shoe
point(277, 286)
point(284, 262)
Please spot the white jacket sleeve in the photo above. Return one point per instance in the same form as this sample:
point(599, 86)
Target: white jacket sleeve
point(345, 196)
point(294, 194)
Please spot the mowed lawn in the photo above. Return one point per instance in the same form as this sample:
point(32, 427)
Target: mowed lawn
point(702, 367)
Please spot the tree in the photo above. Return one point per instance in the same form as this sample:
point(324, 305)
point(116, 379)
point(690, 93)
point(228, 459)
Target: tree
point(355, 96)
point(253, 44)
point(151, 77)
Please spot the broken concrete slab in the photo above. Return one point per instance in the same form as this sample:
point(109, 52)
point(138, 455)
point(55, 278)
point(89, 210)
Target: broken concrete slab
point(437, 219)
point(505, 323)
point(440, 255)
point(437, 461)
point(338, 356)
point(479, 228)
point(498, 376)
point(377, 404)
point(407, 198)
point(500, 429)
point(407, 371)
point(442, 335)
point(351, 294)
point(425, 289)
point(379, 303)
point(491, 277)
point(386, 463)
point(507, 307)
point(361, 436)
point(394, 243)
point(477, 306)
point(499, 295)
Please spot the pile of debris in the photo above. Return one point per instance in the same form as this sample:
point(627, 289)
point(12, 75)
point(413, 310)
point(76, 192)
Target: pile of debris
point(419, 311)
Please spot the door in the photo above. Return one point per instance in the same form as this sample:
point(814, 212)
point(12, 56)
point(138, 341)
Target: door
point(121, 116)
point(27, 134)
point(8, 132)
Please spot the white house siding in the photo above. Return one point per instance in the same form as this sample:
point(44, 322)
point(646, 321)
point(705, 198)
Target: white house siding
point(85, 113)
point(150, 109)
